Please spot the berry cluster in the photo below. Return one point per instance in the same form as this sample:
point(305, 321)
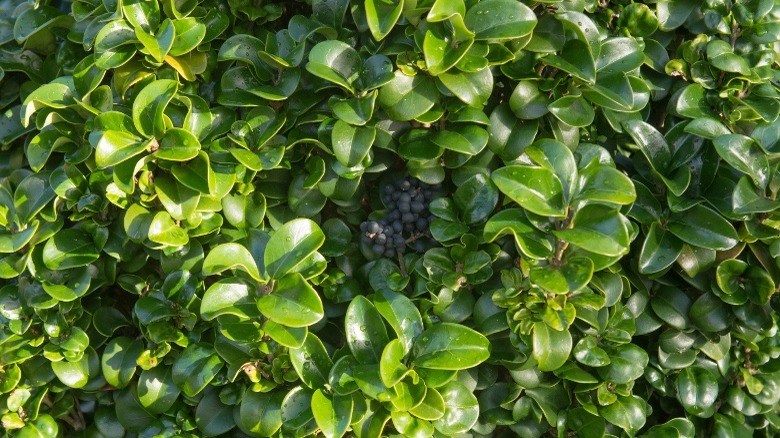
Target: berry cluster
point(406, 221)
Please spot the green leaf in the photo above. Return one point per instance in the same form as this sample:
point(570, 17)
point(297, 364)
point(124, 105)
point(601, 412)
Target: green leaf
point(261, 412)
point(401, 314)
point(573, 275)
point(119, 360)
point(230, 256)
point(432, 407)
point(296, 408)
point(472, 88)
point(366, 333)
point(197, 365)
point(212, 416)
point(500, 20)
point(141, 14)
point(576, 59)
point(605, 184)
point(745, 155)
point(335, 61)
point(551, 348)
point(409, 425)
point(587, 352)
point(333, 414)
point(292, 302)
point(673, 13)
point(230, 296)
point(722, 56)
point(356, 110)
point(312, 362)
point(527, 102)
point(627, 363)
point(573, 110)
point(157, 391)
point(619, 55)
point(513, 221)
point(160, 44)
point(76, 374)
point(164, 230)
point(442, 50)
point(652, 144)
point(178, 145)
point(448, 346)
point(692, 103)
point(43, 426)
point(461, 411)
point(178, 200)
point(476, 198)
point(189, 33)
point(382, 16)
point(69, 248)
point(114, 147)
point(697, 390)
point(149, 105)
point(290, 245)
point(351, 144)
point(391, 367)
point(628, 413)
point(700, 226)
point(290, 337)
point(408, 97)
point(659, 250)
point(598, 229)
point(534, 188)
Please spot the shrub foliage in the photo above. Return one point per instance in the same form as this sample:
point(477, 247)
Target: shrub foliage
point(183, 183)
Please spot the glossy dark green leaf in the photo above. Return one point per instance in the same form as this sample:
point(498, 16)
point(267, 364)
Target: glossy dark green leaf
point(292, 302)
point(476, 198)
point(157, 391)
point(290, 245)
point(212, 416)
point(534, 188)
point(551, 348)
point(149, 105)
point(605, 184)
point(366, 333)
point(700, 226)
point(119, 361)
point(448, 346)
point(598, 229)
point(697, 389)
point(571, 276)
point(461, 411)
point(312, 362)
point(230, 296)
point(659, 250)
point(260, 412)
point(573, 110)
point(628, 413)
point(408, 97)
point(333, 414)
point(335, 61)
point(745, 155)
point(442, 50)
point(351, 144)
point(197, 365)
point(576, 59)
point(401, 314)
point(472, 88)
point(69, 248)
point(382, 16)
point(500, 20)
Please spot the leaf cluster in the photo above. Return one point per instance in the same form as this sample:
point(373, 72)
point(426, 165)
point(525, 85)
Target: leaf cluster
point(182, 184)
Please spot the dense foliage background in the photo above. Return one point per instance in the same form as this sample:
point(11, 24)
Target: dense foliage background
point(183, 183)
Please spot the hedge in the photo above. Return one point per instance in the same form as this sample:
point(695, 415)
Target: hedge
point(389, 218)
